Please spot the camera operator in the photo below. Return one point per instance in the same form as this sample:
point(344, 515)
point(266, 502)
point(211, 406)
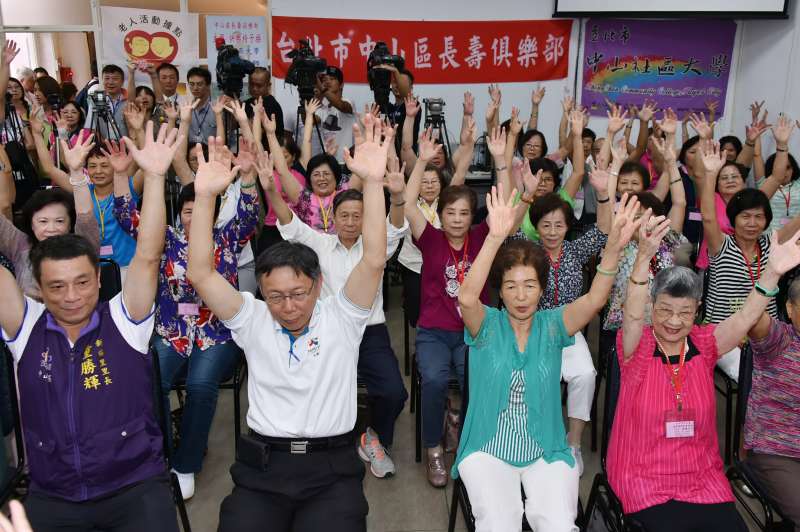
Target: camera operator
point(112, 78)
point(204, 122)
point(402, 85)
point(258, 86)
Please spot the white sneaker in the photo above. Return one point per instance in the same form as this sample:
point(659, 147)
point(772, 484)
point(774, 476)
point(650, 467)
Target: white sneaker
point(186, 482)
point(576, 453)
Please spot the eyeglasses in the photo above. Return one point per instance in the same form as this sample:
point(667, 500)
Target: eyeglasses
point(297, 297)
point(322, 174)
point(730, 177)
point(547, 179)
point(664, 314)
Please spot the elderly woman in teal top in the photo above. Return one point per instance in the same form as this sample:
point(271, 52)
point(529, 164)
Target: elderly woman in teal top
point(514, 432)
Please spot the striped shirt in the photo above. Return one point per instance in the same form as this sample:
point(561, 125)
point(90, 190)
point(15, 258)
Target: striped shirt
point(729, 279)
point(785, 205)
point(773, 408)
point(645, 468)
point(512, 442)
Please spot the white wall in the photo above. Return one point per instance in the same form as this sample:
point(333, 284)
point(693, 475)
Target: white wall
point(765, 63)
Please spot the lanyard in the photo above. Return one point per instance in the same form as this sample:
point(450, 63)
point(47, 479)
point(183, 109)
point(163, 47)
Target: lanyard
point(556, 266)
point(462, 267)
point(427, 210)
point(753, 277)
point(100, 214)
point(202, 122)
point(786, 199)
point(675, 373)
point(325, 211)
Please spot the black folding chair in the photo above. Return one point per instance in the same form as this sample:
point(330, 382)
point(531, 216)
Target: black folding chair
point(416, 404)
point(14, 479)
point(741, 471)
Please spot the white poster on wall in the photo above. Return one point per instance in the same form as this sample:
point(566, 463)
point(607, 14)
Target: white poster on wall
point(247, 34)
point(147, 35)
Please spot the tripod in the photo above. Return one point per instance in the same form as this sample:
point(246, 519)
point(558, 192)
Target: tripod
point(301, 115)
point(438, 127)
point(102, 116)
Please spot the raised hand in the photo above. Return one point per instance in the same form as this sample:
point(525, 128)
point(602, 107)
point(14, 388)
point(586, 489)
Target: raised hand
point(134, 116)
point(497, 142)
point(170, 111)
point(619, 151)
point(625, 223)
point(469, 104)
point(215, 175)
point(258, 108)
point(311, 106)
point(61, 122)
point(537, 95)
point(156, 156)
point(530, 181)
point(10, 51)
point(665, 148)
point(712, 106)
point(246, 158)
point(515, 125)
point(331, 147)
point(186, 110)
point(218, 105)
point(468, 132)
point(616, 119)
point(236, 108)
point(755, 110)
point(669, 124)
point(757, 127)
point(783, 257)
point(567, 103)
point(712, 158)
point(501, 212)
point(599, 180)
point(19, 521)
point(647, 111)
point(783, 130)
point(576, 122)
point(269, 123)
point(412, 106)
point(427, 148)
point(395, 179)
point(265, 166)
point(118, 156)
point(35, 119)
point(701, 125)
point(369, 161)
point(495, 94)
point(75, 157)
point(652, 231)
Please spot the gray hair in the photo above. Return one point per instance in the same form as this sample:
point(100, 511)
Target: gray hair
point(678, 281)
point(24, 72)
point(794, 291)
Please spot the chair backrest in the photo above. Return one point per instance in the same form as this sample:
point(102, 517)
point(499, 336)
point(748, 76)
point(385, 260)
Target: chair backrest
point(613, 379)
point(744, 386)
point(110, 279)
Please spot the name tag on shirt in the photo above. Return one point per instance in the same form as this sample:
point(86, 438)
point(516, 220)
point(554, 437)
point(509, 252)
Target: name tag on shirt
point(106, 250)
point(696, 216)
point(679, 424)
point(784, 221)
point(188, 309)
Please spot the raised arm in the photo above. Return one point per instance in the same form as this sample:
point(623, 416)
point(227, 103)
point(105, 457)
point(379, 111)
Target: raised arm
point(537, 95)
point(581, 311)
point(514, 130)
point(712, 160)
point(8, 191)
point(258, 131)
point(645, 114)
point(135, 121)
point(427, 150)
point(369, 163)
point(10, 51)
point(131, 85)
point(753, 134)
point(782, 131)
point(180, 161)
point(311, 107)
point(467, 150)
point(600, 180)
point(575, 180)
point(493, 111)
point(496, 143)
point(141, 280)
point(237, 110)
point(289, 184)
point(407, 155)
point(677, 211)
point(395, 183)
point(782, 258)
point(218, 108)
point(266, 176)
point(57, 175)
point(213, 177)
point(567, 105)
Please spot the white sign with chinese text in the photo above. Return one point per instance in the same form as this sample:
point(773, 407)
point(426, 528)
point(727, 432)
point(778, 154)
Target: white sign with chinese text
point(247, 34)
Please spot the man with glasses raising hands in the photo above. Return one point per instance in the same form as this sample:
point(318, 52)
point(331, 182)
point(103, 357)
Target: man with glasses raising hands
point(297, 469)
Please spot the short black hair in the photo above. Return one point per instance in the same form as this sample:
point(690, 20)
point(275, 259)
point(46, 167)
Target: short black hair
point(453, 193)
point(191, 147)
point(201, 72)
point(731, 139)
point(48, 86)
point(688, 145)
point(113, 69)
point(350, 194)
point(187, 194)
point(648, 200)
point(519, 252)
point(768, 166)
point(68, 91)
point(547, 165)
point(588, 134)
point(168, 66)
point(62, 247)
point(637, 168)
point(40, 70)
point(320, 159)
point(335, 72)
point(299, 257)
point(41, 199)
point(547, 204)
point(527, 136)
point(749, 198)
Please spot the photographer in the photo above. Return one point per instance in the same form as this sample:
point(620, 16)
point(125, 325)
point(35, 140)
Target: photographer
point(112, 78)
point(258, 86)
point(402, 86)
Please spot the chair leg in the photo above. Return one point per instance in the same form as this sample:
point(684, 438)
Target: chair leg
point(418, 419)
point(728, 419)
point(179, 502)
point(451, 526)
point(237, 408)
point(413, 403)
point(406, 346)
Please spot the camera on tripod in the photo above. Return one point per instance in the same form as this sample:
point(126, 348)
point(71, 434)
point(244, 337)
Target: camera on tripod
point(231, 69)
point(379, 78)
point(304, 70)
point(434, 111)
point(102, 122)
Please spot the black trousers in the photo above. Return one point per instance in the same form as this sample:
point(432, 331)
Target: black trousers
point(146, 506)
point(677, 516)
point(321, 490)
point(411, 294)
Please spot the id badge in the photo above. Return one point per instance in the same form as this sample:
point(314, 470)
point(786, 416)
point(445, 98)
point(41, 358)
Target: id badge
point(785, 220)
point(107, 250)
point(679, 424)
point(188, 309)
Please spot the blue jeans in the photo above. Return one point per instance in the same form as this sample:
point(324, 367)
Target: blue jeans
point(203, 371)
point(438, 353)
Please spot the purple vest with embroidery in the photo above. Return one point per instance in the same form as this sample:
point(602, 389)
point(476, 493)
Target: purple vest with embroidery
point(87, 411)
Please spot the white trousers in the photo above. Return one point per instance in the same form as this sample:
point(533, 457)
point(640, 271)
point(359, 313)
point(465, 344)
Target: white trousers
point(729, 363)
point(551, 494)
point(578, 371)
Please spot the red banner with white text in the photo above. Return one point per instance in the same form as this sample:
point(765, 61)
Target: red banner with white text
point(434, 51)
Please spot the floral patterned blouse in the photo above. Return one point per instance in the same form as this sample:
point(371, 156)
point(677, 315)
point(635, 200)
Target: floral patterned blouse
point(664, 258)
point(182, 319)
point(317, 212)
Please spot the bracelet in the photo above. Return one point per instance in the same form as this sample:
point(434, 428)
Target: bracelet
point(766, 293)
point(628, 126)
point(249, 185)
point(399, 204)
point(79, 183)
point(603, 200)
point(750, 143)
point(639, 283)
point(501, 169)
point(606, 272)
point(782, 149)
point(675, 181)
point(615, 174)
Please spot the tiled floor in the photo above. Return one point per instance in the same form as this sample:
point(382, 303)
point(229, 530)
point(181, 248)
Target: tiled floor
point(404, 503)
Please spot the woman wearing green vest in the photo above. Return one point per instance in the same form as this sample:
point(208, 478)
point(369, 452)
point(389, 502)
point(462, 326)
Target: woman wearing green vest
point(513, 432)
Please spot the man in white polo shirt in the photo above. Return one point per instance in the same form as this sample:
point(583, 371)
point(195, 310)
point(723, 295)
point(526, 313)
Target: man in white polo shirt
point(297, 469)
point(338, 255)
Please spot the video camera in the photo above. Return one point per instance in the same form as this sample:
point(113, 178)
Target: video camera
point(434, 111)
point(304, 70)
point(231, 69)
point(379, 78)
point(54, 101)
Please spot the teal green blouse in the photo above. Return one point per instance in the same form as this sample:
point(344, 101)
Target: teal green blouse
point(493, 356)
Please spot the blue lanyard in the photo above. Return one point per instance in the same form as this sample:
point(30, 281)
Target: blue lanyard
point(292, 340)
point(201, 122)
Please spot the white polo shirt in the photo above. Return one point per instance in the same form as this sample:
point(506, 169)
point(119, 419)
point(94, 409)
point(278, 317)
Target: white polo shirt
point(337, 262)
point(305, 388)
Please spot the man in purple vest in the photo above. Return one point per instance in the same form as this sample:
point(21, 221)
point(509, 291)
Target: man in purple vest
point(84, 375)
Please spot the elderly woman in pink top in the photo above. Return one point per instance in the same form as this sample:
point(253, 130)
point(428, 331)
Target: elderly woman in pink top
point(663, 457)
